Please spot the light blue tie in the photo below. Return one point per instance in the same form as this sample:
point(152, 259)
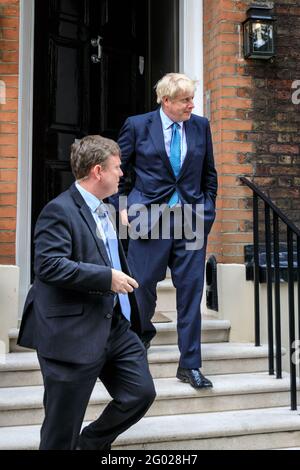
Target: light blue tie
point(112, 249)
point(175, 159)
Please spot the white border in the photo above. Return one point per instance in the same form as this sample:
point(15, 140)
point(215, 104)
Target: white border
point(191, 46)
point(25, 116)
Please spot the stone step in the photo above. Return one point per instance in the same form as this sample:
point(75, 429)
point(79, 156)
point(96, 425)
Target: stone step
point(230, 430)
point(24, 405)
point(22, 369)
point(217, 358)
point(213, 331)
point(13, 346)
point(166, 296)
point(268, 428)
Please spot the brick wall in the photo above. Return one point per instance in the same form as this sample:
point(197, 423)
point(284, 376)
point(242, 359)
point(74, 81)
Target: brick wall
point(9, 37)
point(276, 119)
point(255, 125)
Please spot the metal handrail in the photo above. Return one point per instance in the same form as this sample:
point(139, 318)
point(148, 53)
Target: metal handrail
point(271, 204)
point(271, 211)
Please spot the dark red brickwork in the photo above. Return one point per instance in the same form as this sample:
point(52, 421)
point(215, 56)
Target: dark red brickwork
point(255, 124)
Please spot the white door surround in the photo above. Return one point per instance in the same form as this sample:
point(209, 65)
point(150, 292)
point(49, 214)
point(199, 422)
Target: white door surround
point(191, 46)
point(23, 236)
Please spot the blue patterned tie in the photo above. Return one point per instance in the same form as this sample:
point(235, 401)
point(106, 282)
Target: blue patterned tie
point(112, 249)
point(175, 159)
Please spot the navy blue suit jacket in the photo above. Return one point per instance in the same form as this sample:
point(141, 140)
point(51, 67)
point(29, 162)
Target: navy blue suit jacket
point(142, 145)
point(68, 311)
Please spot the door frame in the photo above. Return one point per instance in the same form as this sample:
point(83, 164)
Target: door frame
point(190, 62)
point(191, 46)
point(25, 126)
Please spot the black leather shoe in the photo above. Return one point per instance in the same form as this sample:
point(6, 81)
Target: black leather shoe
point(194, 377)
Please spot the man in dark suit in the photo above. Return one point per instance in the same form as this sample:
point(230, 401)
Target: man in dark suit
point(81, 311)
point(171, 153)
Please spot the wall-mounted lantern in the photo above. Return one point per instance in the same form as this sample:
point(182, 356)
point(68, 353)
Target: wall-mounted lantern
point(259, 32)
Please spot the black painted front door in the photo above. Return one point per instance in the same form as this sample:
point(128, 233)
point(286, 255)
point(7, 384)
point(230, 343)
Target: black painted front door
point(82, 87)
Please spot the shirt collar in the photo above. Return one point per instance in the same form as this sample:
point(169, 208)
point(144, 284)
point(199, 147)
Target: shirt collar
point(89, 198)
point(166, 121)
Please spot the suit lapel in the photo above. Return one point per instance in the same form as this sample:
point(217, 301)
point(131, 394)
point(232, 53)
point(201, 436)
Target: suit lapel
point(157, 136)
point(87, 216)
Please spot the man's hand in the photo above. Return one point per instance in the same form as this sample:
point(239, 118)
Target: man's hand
point(121, 283)
point(124, 217)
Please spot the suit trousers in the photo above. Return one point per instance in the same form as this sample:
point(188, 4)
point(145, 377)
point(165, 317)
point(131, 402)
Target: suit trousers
point(123, 370)
point(148, 260)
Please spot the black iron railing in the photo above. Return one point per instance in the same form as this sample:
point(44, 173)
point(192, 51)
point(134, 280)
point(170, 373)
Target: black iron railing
point(274, 224)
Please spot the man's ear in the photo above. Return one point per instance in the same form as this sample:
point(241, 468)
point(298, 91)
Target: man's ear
point(97, 171)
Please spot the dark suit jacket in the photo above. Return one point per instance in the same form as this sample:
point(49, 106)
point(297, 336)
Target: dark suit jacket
point(68, 311)
point(142, 144)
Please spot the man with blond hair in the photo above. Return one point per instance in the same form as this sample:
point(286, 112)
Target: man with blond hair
point(171, 153)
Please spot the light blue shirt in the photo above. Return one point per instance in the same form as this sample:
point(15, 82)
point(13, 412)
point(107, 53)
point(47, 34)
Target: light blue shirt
point(167, 130)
